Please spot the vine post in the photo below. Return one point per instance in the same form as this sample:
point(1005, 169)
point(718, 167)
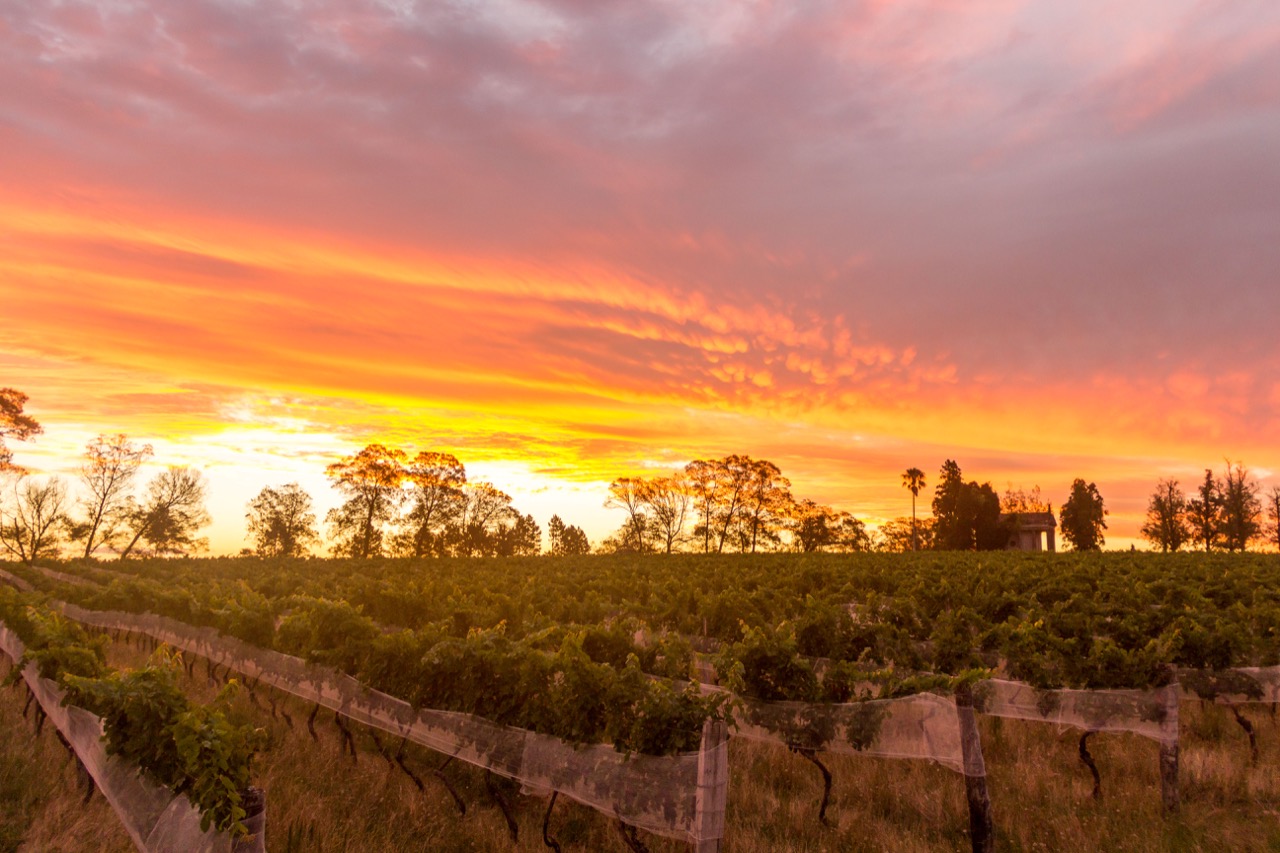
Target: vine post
point(713, 788)
point(975, 773)
point(1169, 750)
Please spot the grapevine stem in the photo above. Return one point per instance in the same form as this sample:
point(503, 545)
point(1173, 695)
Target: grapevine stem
point(1087, 758)
point(826, 783)
point(547, 840)
point(1248, 729)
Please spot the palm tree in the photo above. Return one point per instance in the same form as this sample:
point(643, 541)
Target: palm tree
point(913, 479)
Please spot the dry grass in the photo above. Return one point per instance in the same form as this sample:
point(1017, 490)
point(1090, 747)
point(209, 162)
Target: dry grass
point(42, 808)
point(319, 800)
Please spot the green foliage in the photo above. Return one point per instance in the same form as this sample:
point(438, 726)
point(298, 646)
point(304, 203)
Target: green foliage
point(191, 749)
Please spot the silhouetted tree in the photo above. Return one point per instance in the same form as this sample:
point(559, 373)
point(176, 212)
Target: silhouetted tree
point(669, 503)
point(169, 515)
point(371, 481)
point(1273, 510)
point(111, 462)
point(1241, 509)
point(566, 540)
point(485, 510)
point(281, 522)
point(35, 525)
point(1204, 511)
point(899, 535)
point(521, 538)
point(913, 481)
point(765, 505)
point(435, 487)
point(1021, 500)
point(1166, 525)
point(14, 424)
point(703, 481)
point(966, 515)
point(627, 494)
point(1083, 517)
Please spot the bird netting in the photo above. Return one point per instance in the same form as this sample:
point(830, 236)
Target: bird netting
point(923, 726)
point(1150, 713)
point(157, 820)
point(655, 793)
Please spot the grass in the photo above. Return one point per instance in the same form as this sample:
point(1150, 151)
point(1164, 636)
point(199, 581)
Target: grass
point(320, 800)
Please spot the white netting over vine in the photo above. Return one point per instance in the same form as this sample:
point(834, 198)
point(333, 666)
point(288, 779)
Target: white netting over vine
point(1150, 713)
point(15, 581)
point(921, 726)
point(657, 794)
point(157, 821)
point(1235, 686)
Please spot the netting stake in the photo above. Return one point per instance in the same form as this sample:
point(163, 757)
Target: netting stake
point(713, 788)
point(512, 827)
point(30, 696)
point(311, 723)
point(1087, 758)
point(826, 782)
point(981, 833)
point(1169, 753)
point(1248, 729)
point(547, 840)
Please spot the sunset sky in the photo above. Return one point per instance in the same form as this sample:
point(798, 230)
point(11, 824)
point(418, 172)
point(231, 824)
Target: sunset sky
point(568, 241)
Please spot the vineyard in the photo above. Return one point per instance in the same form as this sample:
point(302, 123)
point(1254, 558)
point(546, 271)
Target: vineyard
point(656, 697)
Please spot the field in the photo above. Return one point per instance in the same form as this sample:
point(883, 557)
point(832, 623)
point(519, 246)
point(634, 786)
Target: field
point(903, 624)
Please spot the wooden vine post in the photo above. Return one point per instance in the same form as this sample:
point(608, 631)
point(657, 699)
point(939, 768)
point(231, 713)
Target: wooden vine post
point(1169, 751)
point(975, 773)
point(713, 788)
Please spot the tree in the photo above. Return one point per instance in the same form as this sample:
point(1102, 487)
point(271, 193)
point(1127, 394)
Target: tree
point(566, 540)
point(703, 482)
point(627, 493)
point(736, 473)
point(1021, 500)
point(34, 528)
point(110, 465)
point(14, 424)
point(435, 487)
point(1166, 525)
point(485, 510)
point(1204, 511)
point(966, 515)
point(1273, 510)
point(1083, 517)
point(670, 503)
point(899, 535)
point(371, 481)
point(170, 514)
point(815, 527)
point(765, 505)
point(1241, 509)
point(521, 538)
point(281, 522)
point(913, 481)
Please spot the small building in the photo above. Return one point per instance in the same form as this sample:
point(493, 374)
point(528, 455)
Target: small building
point(1025, 529)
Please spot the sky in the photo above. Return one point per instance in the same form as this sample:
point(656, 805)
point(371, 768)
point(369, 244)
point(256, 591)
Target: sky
point(570, 241)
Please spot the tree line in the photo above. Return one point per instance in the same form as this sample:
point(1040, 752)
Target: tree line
point(1225, 513)
point(424, 506)
point(736, 504)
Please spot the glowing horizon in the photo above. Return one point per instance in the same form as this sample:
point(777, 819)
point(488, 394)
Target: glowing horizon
point(571, 244)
